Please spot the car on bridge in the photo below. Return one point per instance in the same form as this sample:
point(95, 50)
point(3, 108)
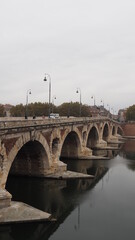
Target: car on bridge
point(54, 115)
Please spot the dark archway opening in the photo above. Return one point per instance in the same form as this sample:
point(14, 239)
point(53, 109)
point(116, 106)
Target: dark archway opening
point(105, 132)
point(119, 131)
point(84, 136)
point(92, 138)
point(31, 160)
point(113, 131)
point(71, 146)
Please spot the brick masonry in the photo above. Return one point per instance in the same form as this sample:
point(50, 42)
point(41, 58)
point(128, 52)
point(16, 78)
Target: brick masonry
point(129, 129)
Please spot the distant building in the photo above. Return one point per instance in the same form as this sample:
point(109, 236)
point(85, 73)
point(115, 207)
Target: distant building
point(115, 117)
point(104, 112)
point(96, 111)
point(122, 115)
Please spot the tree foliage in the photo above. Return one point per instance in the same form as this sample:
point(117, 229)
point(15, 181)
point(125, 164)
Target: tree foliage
point(130, 114)
point(17, 111)
point(73, 109)
point(38, 109)
point(42, 109)
point(1, 110)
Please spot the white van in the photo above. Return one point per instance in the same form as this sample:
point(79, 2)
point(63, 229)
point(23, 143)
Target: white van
point(54, 115)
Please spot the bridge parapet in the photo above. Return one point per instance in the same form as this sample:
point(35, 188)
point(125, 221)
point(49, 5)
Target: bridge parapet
point(52, 122)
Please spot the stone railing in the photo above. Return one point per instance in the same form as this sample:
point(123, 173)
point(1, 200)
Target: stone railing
point(4, 124)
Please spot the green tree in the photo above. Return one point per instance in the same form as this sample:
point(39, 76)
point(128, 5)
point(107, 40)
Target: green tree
point(1, 110)
point(63, 109)
point(130, 114)
point(18, 111)
point(73, 109)
point(42, 109)
point(38, 109)
point(85, 111)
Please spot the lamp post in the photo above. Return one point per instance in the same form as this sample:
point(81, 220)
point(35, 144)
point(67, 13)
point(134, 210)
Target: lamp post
point(26, 107)
point(54, 97)
point(45, 79)
point(79, 91)
point(68, 112)
point(109, 114)
point(108, 107)
point(113, 112)
point(93, 97)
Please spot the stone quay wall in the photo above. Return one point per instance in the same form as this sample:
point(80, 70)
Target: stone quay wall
point(128, 128)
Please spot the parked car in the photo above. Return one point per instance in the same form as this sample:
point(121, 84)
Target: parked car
point(54, 115)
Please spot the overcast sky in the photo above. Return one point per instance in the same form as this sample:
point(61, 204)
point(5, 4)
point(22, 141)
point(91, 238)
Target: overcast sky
point(88, 44)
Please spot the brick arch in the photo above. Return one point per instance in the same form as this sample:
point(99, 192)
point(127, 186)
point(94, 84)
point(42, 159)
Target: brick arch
point(105, 131)
point(92, 125)
point(22, 141)
point(119, 130)
point(72, 138)
point(113, 130)
point(92, 136)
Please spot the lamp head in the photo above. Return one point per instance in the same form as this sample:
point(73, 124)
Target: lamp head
point(45, 79)
point(77, 91)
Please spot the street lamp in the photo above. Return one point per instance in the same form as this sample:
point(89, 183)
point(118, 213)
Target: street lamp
point(93, 97)
point(113, 112)
point(26, 107)
point(54, 97)
point(79, 91)
point(108, 106)
point(45, 79)
point(68, 112)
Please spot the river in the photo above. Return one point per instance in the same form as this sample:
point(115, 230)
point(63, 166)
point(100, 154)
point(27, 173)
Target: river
point(103, 208)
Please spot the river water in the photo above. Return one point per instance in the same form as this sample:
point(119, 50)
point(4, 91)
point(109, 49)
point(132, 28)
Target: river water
point(103, 208)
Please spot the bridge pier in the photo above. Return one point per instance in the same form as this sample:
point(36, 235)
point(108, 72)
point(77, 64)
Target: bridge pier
point(101, 144)
point(85, 152)
point(60, 167)
point(5, 198)
point(113, 139)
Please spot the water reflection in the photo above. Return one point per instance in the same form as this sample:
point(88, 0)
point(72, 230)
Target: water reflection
point(128, 150)
point(61, 198)
point(106, 153)
point(56, 196)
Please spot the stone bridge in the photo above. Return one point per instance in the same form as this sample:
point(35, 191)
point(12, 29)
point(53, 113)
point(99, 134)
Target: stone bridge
point(35, 147)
